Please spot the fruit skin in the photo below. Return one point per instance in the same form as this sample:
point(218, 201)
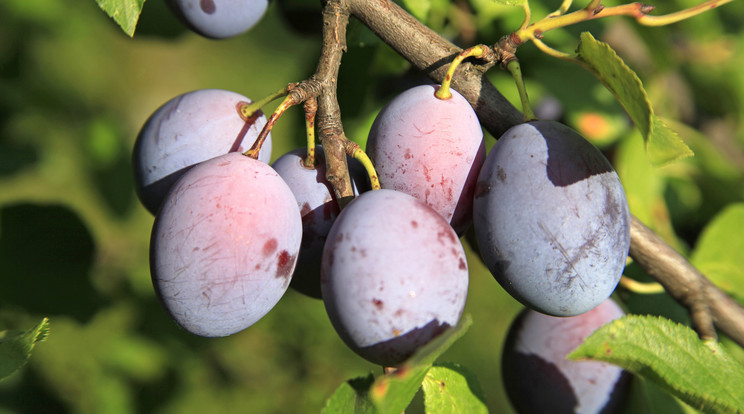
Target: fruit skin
point(224, 245)
point(394, 276)
point(537, 376)
point(219, 19)
point(431, 149)
point(551, 219)
point(187, 130)
point(318, 208)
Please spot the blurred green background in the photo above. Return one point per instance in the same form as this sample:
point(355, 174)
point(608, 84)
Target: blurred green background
point(74, 91)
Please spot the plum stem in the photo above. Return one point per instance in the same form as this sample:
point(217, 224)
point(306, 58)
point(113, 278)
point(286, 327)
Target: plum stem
point(640, 287)
point(476, 51)
point(311, 108)
point(356, 152)
point(280, 110)
point(247, 109)
point(513, 67)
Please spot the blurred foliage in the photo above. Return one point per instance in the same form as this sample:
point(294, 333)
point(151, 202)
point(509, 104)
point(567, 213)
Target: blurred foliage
point(74, 91)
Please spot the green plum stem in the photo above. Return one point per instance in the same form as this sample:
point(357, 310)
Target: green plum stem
point(358, 154)
point(513, 67)
point(286, 103)
point(311, 108)
point(444, 90)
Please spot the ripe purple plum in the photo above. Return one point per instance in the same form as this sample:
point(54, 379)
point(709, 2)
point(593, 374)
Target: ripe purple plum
point(224, 245)
point(551, 219)
point(187, 130)
point(539, 379)
point(219, 19)
point(431, 149)
point(394, 276)
point(318, 207)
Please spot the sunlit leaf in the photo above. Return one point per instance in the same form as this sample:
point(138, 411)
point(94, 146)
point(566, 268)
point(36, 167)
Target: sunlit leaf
point(124, 12)
point(451, 388)
point(16, 346)
point(718, 253)
point(662, 144)
point(351, 398)
point(672, 356)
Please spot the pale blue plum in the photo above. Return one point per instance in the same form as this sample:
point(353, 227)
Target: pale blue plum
point(187, 130)
point(539, 379)
point(224, 245)
point(394, 276)
point(219, 19)
point(431, 149)
point(551, 219)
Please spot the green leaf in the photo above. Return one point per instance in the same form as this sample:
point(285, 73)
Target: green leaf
point(124, 12)
point(718, 253)
point(451, 388)
point(510, 2)
point(662, 144)
point(670, 355)
point(393, 392)
point(351, 397)
point(16, 346)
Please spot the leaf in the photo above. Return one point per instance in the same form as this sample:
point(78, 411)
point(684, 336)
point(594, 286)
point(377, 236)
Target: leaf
point(393, 392)
point(451, 388)
point(718, 251)
point(16, 346)
point(670, 355)
point(124, 12)
point(510, 2)
point(662, 144)
point(351, 397)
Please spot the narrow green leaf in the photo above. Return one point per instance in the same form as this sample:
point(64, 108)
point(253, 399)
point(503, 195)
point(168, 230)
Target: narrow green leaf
point(16, 346)
point(662, 144)
point(718, 253)
point(351, 398)
point(392, 393)
point(451, 388)
point(672, 356)
point(124, 12)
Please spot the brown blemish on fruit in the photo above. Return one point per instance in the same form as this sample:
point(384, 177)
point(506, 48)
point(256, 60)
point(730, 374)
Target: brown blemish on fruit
point(481, 189)
point(270, 246)
point(414, 224)
point(501, 174)
point(284, 265)
point(208, 6)
point(463, 265)
point(378, 303)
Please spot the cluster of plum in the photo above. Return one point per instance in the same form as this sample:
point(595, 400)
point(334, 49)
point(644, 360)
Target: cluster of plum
point(232, 233)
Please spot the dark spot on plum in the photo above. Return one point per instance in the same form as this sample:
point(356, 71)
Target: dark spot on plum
point(501, 174)
point(481, 189)
point(414, 224)
point(463, 265)
point(285, 264)
point(378, 303)
point(208, 6)
point(270, 247)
